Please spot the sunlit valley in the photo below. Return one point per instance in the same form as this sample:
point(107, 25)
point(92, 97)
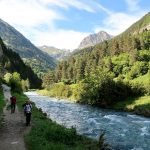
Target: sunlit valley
point(93, 96)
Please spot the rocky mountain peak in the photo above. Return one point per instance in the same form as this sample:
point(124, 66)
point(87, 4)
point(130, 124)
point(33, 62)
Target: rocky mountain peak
point(94, 39)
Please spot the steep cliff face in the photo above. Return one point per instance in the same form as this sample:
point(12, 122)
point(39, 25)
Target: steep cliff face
point(94, 39)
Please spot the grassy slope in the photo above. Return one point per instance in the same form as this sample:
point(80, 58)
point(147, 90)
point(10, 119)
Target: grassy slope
point(132, 103)
point(47, 135)
point(2, 103)
point(139, 105)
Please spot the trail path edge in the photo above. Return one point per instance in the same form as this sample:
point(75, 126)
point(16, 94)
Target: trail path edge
point(13, 129)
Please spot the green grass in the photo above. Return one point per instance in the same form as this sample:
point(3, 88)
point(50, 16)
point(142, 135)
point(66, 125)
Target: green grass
point(2, 103)
point(47, 135)
point(140, 105)
point(132, 103)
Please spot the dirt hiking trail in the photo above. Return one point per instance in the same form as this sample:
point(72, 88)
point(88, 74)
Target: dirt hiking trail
point(13, 129)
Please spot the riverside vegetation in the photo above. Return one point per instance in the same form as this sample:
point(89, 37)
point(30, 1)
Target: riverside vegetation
point(46, 134)
point(102, 88)
point(112, 74)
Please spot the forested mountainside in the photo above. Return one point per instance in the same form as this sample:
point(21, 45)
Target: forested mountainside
point(121, 55)
point(11, 62)
point(56, 53)
point(18, 43)
point(94, 39)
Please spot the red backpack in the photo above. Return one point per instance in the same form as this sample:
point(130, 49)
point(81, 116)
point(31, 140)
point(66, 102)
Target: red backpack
point(13, 100)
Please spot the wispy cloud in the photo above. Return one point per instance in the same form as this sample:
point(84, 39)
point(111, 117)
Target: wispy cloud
point(104, 9)
point(27, 13)
point(133, 5)
point(78, 4)
point(35, 12)
point(116, 22)
point(28, 16)
point(36, 19)
point(64, 39)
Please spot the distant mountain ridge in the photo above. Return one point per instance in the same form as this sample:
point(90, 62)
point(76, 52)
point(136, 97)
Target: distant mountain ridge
point(94, 39)
point(55, 52)
point(21, 45)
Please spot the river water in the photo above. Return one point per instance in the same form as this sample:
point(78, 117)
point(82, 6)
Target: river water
point(123, 131)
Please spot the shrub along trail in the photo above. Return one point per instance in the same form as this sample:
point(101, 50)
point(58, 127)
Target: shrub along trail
point(13, 129)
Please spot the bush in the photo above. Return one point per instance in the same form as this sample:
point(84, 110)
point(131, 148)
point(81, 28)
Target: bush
point(137, 89)
point(144, 55)
point(147, 88)
point(100, 89)
point(68, 82)
point(60, 90)
point(14, 81)
point(138, 69)
point(77, 90)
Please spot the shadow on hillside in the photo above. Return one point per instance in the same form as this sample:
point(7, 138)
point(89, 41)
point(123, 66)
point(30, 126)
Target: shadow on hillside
point(143, 110)
point(123, 105)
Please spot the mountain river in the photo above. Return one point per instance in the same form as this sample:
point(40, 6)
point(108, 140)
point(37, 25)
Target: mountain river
point(123, 131)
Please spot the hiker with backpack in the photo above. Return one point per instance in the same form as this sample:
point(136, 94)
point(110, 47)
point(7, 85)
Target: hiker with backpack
point(13, 104)
point(27, 111)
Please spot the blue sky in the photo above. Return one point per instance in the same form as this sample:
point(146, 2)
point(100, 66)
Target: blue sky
point(64, 23)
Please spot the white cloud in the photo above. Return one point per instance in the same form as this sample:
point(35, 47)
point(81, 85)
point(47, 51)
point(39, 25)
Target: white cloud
point(63, 39)
point(35, 12)
point(28, 16)
point(117, 22)
point(27, 13)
